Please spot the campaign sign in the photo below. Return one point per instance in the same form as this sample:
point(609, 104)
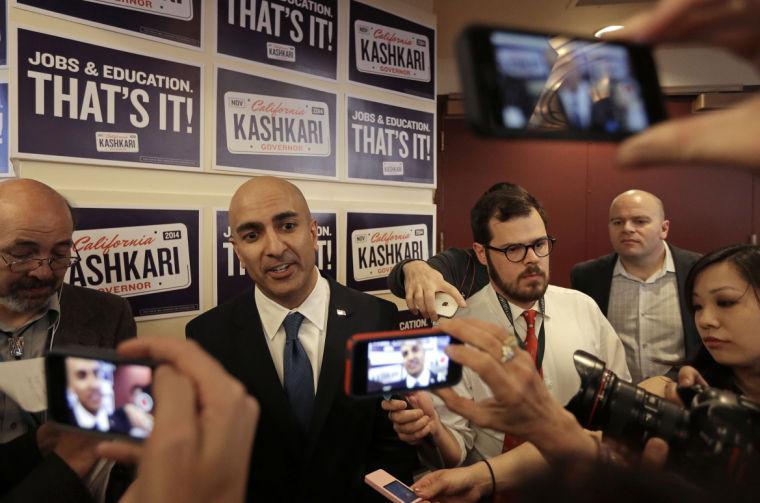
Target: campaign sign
point(391, 52)
point(378, 241)
point(5, 162)
point(268, 125)
point(409, 321)
point(115, 107)
point(299, 35)
point(231, 278)
point(149, 256)
point(177, 21)
point(388, 143)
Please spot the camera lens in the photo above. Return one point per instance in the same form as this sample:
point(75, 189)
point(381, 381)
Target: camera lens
point(620, 409)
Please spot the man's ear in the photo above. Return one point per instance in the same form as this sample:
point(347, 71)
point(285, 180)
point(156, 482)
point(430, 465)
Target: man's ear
point(664, 229)
point(480, 252)
point(313, 232)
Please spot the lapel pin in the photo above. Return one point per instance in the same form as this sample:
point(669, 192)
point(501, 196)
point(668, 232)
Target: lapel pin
point(341, 312)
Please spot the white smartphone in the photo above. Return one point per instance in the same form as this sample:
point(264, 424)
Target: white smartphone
point(445, 305)
point(391, 487)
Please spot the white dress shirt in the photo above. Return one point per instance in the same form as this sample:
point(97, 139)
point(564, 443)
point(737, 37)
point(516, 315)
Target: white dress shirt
point(646, 314)
point(421, 381)
point(572, 321)
point(85, 419)
point(312, 331)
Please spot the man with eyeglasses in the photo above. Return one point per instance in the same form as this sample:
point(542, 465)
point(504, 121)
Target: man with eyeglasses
point(37, 312)
point(550, 322)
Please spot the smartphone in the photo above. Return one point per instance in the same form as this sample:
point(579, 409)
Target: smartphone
point(381, 363)
point(391, 487)
point(520, 84)
point(101, 392)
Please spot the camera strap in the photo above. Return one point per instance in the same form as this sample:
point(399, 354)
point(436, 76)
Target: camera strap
point(541, 336)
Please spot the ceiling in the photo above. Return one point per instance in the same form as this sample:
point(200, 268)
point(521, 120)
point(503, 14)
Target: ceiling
point(582, 17)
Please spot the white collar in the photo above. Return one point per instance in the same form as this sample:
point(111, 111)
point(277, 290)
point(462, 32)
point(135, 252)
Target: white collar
point(667, 266)
point(516, 310)
point(313, 308)
point(422, 380)
point(85, 418)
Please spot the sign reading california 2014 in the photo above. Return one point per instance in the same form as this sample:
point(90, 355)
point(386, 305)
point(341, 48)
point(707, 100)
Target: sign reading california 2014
point(177, 21)
point(150, 256)
point(391, 52)
point(267, 125)
point(90, 103)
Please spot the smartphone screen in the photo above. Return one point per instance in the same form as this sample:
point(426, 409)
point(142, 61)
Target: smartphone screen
point(403, 362)
point(533, 84)
point(101, 395)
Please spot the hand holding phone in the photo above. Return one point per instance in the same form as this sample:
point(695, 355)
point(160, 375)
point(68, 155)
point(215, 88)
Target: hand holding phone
point(100, 392)
point(399, 361)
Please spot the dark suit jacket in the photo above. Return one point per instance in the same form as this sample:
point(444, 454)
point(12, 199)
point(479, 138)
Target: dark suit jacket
point(88, 318)
point(348, 438)
point(594, 278)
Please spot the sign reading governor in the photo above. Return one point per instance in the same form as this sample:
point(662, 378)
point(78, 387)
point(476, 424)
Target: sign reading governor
point(132, 260)
point(384, 50)
point(273, 125)
point(376, 251)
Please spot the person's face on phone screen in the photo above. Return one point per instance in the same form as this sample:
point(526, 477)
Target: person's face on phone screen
point(414, 358)
point(85, 380)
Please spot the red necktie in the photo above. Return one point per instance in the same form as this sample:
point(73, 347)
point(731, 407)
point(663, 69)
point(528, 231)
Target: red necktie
point(531, 346)
point(531, 342)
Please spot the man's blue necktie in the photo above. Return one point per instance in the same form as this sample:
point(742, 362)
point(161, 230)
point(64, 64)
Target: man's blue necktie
point(299, 380)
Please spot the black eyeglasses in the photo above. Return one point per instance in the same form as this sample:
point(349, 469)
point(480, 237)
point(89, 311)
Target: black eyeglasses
point(30, 264)
point(518, 251)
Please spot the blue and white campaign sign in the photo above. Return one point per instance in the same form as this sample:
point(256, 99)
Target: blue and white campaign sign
point(230, 276)
point(375, 242)
point(300, 35)
point(115, 107)
point(5, 162)
point(173, 21)
point(388, 143)
point(150, 256)
point(270, 126)
point(391, 52)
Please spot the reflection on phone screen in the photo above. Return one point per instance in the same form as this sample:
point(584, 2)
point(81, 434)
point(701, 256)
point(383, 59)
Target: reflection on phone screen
point(109, 398)
point(400, 364)
point(558, 83)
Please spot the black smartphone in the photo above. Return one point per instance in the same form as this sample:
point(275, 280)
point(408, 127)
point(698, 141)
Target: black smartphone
point(382, 363)
point(100, 392)
point(521, 84)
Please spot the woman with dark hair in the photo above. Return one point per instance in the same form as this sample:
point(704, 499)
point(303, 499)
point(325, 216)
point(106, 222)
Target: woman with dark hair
point(724, 288)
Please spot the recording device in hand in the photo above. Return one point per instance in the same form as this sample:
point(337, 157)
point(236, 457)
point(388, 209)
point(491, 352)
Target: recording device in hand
point(713, 439)
point(100, 392)
point(399, 361)
point(526, 84)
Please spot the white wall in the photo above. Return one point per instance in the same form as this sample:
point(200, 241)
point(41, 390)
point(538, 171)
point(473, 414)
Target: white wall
point(86, 185)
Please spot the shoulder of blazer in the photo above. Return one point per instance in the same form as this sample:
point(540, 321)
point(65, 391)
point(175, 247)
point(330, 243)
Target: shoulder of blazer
point(594, 267)
point(240, 306)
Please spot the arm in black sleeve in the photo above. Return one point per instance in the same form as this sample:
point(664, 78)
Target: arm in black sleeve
point(50, 480)
point(456, 265)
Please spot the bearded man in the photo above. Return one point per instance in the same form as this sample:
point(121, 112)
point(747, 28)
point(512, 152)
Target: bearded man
point(550, 322)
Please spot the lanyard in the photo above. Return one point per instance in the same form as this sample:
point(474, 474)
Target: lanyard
point(541, 338)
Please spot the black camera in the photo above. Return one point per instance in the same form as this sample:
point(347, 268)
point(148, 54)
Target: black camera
point(713, 439)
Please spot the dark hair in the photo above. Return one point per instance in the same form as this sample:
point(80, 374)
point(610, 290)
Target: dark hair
point(503, 201)
point(746, 259)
